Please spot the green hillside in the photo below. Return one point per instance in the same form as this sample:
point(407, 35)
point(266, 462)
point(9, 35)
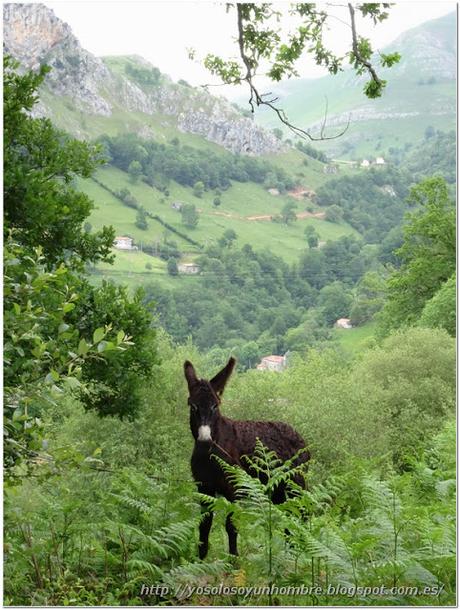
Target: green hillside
point(240, 203)
point(246, 207)
point(88, 126)
point(355, 340)
point(246, 203)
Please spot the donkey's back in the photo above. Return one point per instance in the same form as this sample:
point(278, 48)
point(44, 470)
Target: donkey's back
point(275, 435)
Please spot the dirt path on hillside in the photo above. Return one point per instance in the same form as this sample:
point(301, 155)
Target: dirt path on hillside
point(320, 215)
point(226, 215)
point(264, 217)
point(300, 216)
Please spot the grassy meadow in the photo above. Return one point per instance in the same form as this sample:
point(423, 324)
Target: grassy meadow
point(355, 340)
point(240, 201)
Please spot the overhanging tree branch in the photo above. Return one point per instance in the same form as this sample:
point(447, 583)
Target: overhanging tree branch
point(260, 40)
point(258, 98)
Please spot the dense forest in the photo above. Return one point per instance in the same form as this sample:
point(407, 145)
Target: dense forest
point(435, 154)
point(255, 303)
point(372, 202)
point(187, 165)
point(99, 499)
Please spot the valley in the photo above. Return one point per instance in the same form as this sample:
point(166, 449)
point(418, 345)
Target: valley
point(162, 245)
point(191, 178)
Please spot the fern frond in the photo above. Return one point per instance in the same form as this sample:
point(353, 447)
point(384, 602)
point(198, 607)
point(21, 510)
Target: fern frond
point(133, 503)
point(137, 568)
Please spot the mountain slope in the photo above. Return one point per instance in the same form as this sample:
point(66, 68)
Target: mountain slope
point(90, 96)
point(113, 91)
point(421, 91)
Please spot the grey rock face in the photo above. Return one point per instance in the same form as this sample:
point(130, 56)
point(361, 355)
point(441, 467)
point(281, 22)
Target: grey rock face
point(34, 36)
point(30, 31)
point(239, 135)
point(430, 54)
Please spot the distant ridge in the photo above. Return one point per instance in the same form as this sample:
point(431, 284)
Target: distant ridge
point(421, 92)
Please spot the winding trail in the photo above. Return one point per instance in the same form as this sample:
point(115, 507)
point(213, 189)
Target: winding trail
point(300, 216)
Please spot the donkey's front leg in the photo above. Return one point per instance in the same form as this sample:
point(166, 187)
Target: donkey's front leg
point(232, 535)
point(205, 524)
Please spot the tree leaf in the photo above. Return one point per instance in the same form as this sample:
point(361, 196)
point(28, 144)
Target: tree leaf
point(98, 335)
point(83, 347)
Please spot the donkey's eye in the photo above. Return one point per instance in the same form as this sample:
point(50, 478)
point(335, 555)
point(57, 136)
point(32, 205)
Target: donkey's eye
point(194, 407)
point(213, 407)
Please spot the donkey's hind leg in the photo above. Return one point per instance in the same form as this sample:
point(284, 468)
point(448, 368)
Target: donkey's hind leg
point(232, 535)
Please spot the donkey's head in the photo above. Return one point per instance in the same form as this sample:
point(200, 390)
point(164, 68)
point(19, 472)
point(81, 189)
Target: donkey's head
point(204, 399)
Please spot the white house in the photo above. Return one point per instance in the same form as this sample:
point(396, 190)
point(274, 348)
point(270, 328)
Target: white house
point(343, 323)
point(190, 268)
point(380, 161)
point(124, 243)
point(272, 363)
point(365, 163)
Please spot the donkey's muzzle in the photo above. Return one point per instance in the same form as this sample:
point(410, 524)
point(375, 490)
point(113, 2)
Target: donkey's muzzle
point(204, 434)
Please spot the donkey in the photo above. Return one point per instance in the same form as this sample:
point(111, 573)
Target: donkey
point(231, 440)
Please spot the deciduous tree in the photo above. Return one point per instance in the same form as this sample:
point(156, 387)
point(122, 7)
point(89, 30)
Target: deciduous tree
point(190, 215)
point(40, 163)
point(427, 254)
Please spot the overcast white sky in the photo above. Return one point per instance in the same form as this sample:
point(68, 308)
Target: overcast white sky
point(161, 32)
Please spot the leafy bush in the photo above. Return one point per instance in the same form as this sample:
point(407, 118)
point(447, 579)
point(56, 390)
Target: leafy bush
point(45, 351)
point(143, 75)
point(114, 384)
point(172, 266)
point(381, 407)
point(40, 163)
point(440, 310)
point(190, 216)
point(141, 219)
point(427, 255)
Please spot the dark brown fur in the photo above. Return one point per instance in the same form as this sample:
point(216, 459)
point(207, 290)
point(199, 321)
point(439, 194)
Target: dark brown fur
point(231, 440)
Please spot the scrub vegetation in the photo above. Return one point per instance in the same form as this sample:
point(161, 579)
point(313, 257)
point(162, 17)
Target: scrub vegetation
point(99, 498)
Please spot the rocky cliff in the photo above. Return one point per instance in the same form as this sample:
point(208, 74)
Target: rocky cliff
point(35, 36)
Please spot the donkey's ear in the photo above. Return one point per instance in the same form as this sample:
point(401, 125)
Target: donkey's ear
point(190, 375)
point(218, 382)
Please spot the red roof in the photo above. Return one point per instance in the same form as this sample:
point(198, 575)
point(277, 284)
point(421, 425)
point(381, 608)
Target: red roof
point(274, 358)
